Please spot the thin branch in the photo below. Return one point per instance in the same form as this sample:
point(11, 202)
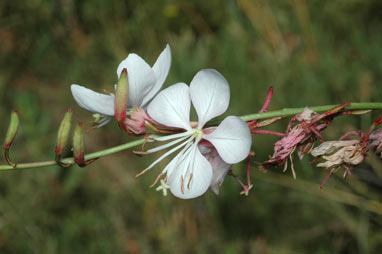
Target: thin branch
point(271, 114)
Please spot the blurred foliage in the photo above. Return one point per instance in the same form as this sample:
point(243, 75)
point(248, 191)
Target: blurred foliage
point(312, 52)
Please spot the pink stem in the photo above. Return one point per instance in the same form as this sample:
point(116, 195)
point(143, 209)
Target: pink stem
point(238, 180)
point(267, 101)
point(265, 105)
point(352, 133)
point(377, 122)
point(325, 180)
point(318, 134)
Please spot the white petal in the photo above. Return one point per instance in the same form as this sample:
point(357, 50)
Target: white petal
point(201, 176)
point(161, 69)
point(209, 94)
point(171, 107)
point(92, 101)
point(141, 78)
point(231, 139)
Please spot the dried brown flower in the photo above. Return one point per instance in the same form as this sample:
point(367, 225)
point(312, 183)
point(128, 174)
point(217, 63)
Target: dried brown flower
point(301, 136)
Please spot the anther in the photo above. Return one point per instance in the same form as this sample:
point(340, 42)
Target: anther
point(182, 184)
point(189, 181)
point(141, 152)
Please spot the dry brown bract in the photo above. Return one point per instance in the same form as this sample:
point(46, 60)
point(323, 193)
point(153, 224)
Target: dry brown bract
point(341, 154)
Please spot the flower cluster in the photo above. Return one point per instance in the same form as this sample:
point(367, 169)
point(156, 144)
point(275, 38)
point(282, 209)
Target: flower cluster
point(204, 153)
point(301, 136)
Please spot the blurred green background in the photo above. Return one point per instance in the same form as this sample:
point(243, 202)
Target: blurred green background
point(312, 52)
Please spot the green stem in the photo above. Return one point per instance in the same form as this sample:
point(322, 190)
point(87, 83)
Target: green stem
point(318, 109)
point(70, 160)
point(271, 114)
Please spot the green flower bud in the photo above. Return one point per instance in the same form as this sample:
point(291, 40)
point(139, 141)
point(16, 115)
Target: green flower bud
point(121, 97)
point(63, 132)
point(78, 144)
point(12, 129)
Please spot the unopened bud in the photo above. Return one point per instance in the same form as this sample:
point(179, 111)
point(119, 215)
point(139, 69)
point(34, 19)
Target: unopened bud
point(78, 144)
point(12, 129)
point(63, 132)
point(121, 97)
point(11, 134)
point(265, 122)
point(357, 112)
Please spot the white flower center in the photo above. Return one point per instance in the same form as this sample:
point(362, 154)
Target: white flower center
point(198, 133)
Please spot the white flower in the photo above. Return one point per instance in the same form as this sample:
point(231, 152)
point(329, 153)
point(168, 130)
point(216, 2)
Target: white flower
point(144, 83)
point(189, 173)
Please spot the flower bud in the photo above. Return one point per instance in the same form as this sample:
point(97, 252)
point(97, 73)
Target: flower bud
point(12, 129)
point(121, 97)
point(357, 112)
point(63, 132)
point(265, 122)
point(78, 144)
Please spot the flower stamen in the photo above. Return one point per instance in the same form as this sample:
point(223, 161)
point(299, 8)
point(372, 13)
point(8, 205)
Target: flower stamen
point(156, 179)
point(170, 151)
point(156, 149)
point(142, 172)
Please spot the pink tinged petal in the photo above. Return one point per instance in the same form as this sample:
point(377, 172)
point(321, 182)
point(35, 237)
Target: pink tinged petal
point(171, 107)
point(209, 94)
point(219, 167)
point(141, 78)
point(192, 177)
point(92, 101)
point(231, 139)
point(161, 69)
